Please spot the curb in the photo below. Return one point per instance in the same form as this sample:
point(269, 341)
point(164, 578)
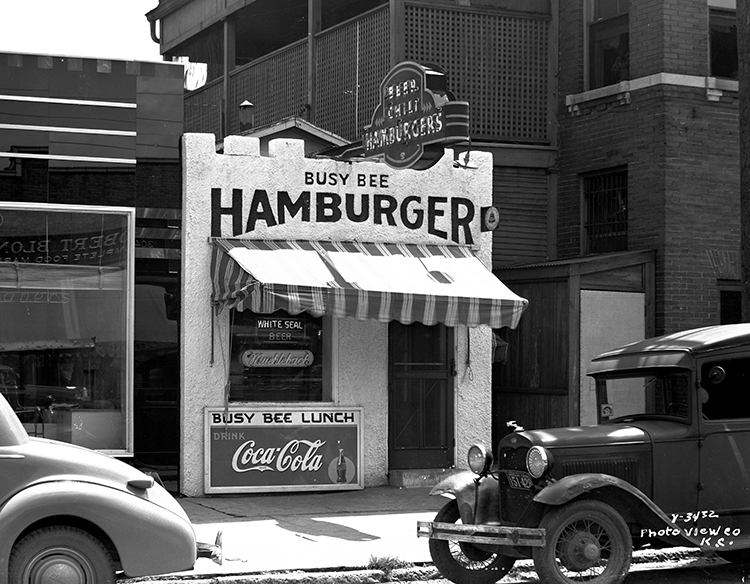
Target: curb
point(642, 559)
point(330, 576)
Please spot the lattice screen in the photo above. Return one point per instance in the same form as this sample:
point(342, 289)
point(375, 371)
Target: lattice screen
point(352, 60)
point(275, 85)
point(498, 63)
point(203, 109)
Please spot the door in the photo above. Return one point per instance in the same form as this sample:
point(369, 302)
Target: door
point(724, 489)
point(420, 396)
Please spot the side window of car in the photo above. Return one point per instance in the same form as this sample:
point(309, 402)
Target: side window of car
point(724, 388)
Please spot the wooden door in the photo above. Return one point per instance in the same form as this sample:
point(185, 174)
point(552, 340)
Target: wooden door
point(421, 410)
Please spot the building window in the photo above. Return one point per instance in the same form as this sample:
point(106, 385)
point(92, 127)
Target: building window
point(66, 298)
point(730, 303)
point(609, 52)
point(605, 212)
point(723, 43)
point(279, 357)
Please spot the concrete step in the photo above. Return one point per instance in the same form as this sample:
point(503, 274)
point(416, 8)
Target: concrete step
point(418, 477)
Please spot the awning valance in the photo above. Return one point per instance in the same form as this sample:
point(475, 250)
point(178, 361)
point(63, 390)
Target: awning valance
point(407, 283)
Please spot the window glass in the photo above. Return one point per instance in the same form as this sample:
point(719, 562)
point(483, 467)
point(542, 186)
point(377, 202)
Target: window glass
point(609, 43)
point(277, 357)
point(730, 306)
point(663, 395)
point(723, 44)
point(724, 386)
point(63, 304)
point(606, 212)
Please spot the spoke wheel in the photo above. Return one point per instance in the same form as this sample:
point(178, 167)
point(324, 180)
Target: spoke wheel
point(587, 541)
point(463, 562)
point(60, 555)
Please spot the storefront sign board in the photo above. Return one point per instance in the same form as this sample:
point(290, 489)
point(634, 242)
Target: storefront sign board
point(276, 449)
point(414, 110)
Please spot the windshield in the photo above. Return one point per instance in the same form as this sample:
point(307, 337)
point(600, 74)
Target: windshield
point(12, 431)
point(655, 395)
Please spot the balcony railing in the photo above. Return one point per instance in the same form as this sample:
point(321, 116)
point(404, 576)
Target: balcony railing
point(496, 61)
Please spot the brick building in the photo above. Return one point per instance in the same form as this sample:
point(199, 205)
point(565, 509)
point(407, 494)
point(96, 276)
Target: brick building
point(647, 201)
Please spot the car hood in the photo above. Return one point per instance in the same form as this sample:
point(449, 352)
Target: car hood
point(604, 434)
point(40, 460)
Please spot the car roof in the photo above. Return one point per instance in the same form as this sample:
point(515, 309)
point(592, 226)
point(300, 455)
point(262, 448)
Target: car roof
point(673, 350)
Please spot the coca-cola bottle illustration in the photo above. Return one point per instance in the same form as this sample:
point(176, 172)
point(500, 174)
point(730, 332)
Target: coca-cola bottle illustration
point(341, 467)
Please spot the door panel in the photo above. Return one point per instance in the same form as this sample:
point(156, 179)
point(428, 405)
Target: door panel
point(724, 490)
point(421, 427)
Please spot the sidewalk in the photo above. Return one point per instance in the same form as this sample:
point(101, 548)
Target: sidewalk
point(309, 531)
point(305, 537)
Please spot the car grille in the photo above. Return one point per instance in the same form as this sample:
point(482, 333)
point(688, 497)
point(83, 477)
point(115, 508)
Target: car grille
point(625, 468)
point(513, 458)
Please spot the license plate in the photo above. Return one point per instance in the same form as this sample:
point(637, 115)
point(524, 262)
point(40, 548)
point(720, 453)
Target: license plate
point(519, 480)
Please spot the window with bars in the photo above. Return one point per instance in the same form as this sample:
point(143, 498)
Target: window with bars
point(605, 198)
point(609, 42)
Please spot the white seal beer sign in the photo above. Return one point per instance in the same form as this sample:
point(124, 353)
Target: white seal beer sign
point(415, 111)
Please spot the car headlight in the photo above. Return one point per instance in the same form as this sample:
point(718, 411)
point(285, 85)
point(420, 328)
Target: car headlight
point(538, 461)
point(480, 459)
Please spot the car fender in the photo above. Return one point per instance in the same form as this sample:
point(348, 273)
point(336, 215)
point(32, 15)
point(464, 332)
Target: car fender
point(655, 522)
point(476, 496)
point(149, 538)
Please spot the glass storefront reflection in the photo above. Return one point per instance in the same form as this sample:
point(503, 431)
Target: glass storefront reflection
point(65, 294)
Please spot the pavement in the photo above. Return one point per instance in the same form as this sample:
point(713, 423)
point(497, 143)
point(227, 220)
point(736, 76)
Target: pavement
point(360, 531)
point(352, 537)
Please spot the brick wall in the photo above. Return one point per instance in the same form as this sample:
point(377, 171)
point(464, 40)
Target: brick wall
point(681, 151)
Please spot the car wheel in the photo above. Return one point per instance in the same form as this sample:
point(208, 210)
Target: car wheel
point(585, 540)
point(462, 562)
point(67, 555)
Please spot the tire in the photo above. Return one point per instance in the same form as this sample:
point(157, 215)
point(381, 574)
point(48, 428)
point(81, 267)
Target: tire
point(462, 562)
point(60, 554)
point(587, 541)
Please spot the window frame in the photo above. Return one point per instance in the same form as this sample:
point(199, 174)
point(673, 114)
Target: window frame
point(128, 215)
point(724, 17)
point(587, 238)
point(598, 29)
point(329, 355)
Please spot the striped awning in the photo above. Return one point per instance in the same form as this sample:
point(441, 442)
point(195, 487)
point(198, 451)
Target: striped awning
point(407, 283)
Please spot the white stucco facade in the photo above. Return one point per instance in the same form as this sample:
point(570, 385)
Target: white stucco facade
point(360, 347)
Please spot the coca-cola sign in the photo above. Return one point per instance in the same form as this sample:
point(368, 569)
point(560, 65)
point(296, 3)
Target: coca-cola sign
point(283, 449)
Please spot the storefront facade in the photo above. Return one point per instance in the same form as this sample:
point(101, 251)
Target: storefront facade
point(336, 317)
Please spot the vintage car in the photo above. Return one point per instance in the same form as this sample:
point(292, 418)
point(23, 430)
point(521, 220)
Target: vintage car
point(668, 464)
point(72, 515)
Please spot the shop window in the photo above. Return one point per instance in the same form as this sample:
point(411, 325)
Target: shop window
point(609, 50)
point(723, 43)
point(65, 298)
point(279, 357)
point(605, 212)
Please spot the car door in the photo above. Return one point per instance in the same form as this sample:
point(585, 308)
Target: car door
point(723, 516)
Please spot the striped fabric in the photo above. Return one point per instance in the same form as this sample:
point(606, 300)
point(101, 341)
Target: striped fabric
point(407, 283)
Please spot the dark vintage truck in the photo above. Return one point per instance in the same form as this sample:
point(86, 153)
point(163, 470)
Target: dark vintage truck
point(667, 465)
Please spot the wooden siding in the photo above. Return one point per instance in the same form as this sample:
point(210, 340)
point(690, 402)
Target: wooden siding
point(520, 194)
point(532, 386)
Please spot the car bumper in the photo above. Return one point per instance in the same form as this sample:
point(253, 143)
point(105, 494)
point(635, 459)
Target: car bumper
point(483, 534)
